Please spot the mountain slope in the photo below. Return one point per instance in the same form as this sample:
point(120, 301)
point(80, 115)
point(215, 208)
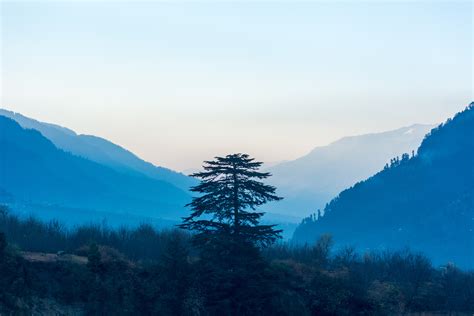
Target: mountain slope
point(309, 182)
point(100, 150)
point(33, 170)
point(425, 202)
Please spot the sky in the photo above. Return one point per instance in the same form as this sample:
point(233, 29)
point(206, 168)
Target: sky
point(180, 82)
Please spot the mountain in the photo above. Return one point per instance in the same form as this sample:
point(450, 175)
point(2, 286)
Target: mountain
point(101, 151)
point(35, 172)
point(120, 160)
point(309, 182)
point(425, 202)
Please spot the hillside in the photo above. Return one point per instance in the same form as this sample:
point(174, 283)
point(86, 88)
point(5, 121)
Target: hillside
point(309, 182)
point(34, 171)
point(100, 150)
point(426, 202)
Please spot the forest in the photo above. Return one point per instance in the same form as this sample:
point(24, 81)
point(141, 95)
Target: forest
point(219, 261)
point(153, 272)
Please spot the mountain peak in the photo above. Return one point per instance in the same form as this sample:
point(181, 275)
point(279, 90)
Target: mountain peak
point(101, 151)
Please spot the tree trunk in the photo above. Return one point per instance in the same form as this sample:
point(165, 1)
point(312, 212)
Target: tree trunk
point(236, 200)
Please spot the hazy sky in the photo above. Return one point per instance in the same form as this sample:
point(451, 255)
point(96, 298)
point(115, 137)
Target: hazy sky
point(179, 82)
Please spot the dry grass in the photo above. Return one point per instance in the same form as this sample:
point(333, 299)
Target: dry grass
point(52, 257)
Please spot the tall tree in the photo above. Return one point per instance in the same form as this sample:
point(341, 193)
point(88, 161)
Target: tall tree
point(230, 192)
point(3, 244)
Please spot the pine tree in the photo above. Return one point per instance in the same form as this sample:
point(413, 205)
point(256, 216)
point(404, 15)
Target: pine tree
point(229, 195)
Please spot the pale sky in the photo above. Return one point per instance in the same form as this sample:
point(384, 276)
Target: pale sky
point(179, 82)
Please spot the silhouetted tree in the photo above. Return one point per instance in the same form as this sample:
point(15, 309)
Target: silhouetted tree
point(322, 249)
point(231, 271)
point(230, 192)
point(3, 243)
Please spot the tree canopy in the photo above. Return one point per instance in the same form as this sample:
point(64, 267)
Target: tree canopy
point(230, 192)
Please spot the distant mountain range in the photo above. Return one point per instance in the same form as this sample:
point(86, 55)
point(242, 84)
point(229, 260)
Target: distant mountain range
point(425, 202)
point(53, 172)
point(101, 151)
point(309, 182)
point(137, 190)
point(37, 175)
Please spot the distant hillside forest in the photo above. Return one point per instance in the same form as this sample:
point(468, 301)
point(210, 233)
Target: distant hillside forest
point(93, 270)
point(424, 200)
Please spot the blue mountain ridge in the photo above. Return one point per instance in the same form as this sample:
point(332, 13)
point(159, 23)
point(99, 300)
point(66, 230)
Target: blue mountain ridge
point(101, 151)
point(34, 171)
point(425, 202)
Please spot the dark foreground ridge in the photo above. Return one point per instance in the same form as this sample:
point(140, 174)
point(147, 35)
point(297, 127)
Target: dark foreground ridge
point(46, 269)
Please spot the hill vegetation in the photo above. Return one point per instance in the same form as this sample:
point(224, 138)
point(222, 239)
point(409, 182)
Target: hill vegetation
point(311, 181)
point(425, 201)
point(96, 270)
